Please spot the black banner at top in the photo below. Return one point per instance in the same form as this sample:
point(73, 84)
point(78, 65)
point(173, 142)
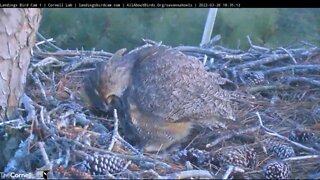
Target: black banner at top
point(159, 4)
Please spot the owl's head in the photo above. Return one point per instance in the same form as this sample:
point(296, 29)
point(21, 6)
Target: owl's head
point(110, 79)
point(113, 77)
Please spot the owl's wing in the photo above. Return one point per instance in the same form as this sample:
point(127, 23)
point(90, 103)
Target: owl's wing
point(175, 87)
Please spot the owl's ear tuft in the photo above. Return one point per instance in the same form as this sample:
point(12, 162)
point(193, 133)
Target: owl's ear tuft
point(118, 54)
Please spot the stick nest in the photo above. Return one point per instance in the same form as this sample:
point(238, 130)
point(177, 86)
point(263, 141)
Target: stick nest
point(277, 136)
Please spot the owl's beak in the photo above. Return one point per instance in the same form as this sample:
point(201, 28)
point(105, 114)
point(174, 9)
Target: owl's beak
point(109, 99)
point(113, 102)
point(93, 101)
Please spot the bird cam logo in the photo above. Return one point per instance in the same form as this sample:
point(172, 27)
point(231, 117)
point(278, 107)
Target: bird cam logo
point(45, 174)
point(14, 175)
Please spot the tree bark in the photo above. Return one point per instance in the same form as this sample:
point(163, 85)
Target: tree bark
point(18, 29)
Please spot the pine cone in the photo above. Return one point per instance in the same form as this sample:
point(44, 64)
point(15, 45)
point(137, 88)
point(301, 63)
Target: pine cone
point(276, 170)
point(104, 164)
point(279, 149)
point(304, 136)
point(252, 78)
point(195, 156)
point(104, 139)
point(244, 157)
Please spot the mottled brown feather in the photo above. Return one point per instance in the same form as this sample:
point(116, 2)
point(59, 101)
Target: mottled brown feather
point(165, 92)
point(174, 86)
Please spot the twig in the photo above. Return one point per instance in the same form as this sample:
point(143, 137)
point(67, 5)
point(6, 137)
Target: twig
point(308, 44)
point(11, 121)
point(297, 158)
point(107, 175)
point(231, 135)
point(188, 174)
point(63, 53)
point(149, 41)
point(293, 59)
point(240, 57)
point(60, 106)
point(45, 157)
point(19, 159)
point(230, 51)
point(42, 42)
point(300, 67)
point(256, 47)
point(128, 145)
point(37, 81)
point(67, 157)
point(273, 58)
point(52, 45)
point(115, 130)
point(42, 117)
point(81, 70)
point(53, 83)
point(84, 61)
point(273, 133)
point(126, 165)
point(205, 58)
point(116, 136)
point(67, 114)
point(48, 61)
point(43, 123)
point(154, 173)
point(42, 74)
point(94, 149)
point(188, 165)
point(198, 50)
point(27, 101)
point(228, 172)
point(268, 88)
point(302, 79)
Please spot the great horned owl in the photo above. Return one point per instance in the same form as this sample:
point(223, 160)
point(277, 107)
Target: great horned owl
point(165, 91)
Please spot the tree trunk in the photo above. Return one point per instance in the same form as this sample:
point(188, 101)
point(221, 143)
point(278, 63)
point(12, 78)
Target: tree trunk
point(18, 29)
